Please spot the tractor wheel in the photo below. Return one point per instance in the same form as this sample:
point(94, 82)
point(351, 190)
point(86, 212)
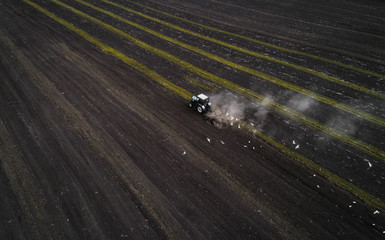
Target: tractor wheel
point(199, 108)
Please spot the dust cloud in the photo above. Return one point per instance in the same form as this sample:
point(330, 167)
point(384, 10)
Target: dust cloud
point(301, 103)
point(229, 108)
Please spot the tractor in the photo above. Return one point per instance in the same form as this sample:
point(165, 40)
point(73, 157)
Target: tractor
point(200, 103)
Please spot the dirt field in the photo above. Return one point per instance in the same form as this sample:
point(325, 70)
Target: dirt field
point(97, 141)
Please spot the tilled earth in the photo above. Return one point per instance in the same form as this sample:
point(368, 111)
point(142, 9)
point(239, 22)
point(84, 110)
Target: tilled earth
point(91, 148)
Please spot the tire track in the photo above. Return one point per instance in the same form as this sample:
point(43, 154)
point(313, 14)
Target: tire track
point(24, 186)
point(349, 41)
point(254, 54)
point(293, 87)
point(375, 152)
point(140, 186)
point(340, 10)
point(366, 197)
point(24, 179)
point(368, 6)
point(153, 201)
point(299, 20)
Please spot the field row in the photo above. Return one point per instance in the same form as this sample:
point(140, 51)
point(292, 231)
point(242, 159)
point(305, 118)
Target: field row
point(133, 43)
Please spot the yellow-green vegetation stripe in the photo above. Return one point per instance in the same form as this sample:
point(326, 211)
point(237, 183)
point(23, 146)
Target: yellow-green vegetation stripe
point(368, 198)
point(232, 86)
point(293, 87)
point(323, 59)
point(258, 55)
point(105, 48)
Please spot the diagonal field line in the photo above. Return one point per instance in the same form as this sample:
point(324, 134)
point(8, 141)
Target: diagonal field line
point(340, 9)
point(373, 151)
point(366, 197)
point(300, 20)
point(359, 113)
point(251, 53)
point(323, 59)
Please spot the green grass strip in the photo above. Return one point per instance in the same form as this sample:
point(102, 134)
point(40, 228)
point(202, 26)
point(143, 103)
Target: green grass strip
point(323, 59)
point(359, 113)
point(377, 153)
point(133, 63)
point(254, 54)
point(366, 197)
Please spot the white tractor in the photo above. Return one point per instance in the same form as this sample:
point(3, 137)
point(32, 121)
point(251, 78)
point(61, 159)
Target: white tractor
point(200, 103)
